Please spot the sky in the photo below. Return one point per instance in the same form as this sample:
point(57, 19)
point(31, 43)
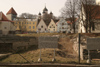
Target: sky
point(32, 6)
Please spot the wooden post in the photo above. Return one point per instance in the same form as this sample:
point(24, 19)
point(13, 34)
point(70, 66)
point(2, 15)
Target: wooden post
point(89, 59)
point(40, 59)
point(54, 56)
point(79, 49)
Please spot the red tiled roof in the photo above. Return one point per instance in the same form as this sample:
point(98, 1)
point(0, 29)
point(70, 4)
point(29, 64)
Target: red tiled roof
point(69, 22)
point(12, 11)
point(93, 11)
point(3, 17)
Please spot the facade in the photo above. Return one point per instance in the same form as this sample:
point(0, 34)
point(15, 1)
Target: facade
point(6, 26)
point(42, 27)
point(52, 27)
point(25, 25)
point(22, 25)
point(62, 25)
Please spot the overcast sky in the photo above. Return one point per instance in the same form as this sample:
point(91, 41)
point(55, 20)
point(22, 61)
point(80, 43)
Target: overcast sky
point(32, 6)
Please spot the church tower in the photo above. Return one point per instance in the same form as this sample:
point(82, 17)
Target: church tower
point(45, 13)
point(11, 14)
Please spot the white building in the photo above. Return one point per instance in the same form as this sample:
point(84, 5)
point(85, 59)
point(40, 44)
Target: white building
point(6, 26)
point(42, 27)
point(62, 25)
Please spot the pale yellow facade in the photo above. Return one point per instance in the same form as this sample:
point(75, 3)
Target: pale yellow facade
point(52, 27)
point(26, 25)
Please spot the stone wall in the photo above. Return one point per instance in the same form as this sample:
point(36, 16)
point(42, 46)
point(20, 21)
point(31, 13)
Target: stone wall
point(20, 43)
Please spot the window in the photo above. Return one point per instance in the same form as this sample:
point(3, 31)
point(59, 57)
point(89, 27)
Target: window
point(41, 26)
point(62, 27)
point(5, 27)
point(39, 29)
point(29, 27)
point(45, 29)
point(33, 27)
point(62, 23)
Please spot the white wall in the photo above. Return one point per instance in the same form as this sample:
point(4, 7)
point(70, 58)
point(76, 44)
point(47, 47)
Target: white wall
point(42, 23)
point(52, 28)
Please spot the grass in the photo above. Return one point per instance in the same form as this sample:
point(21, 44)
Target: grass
point(64, 53)
point(47, 56)
point(40, 34)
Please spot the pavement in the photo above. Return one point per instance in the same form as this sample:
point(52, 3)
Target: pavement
point(47, 65)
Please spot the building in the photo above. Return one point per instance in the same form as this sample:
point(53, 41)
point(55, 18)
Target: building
point(45, 15)
point(6, 26)
point(45, 18)
point(42, 27)
point(62, 25)
point(22, 25)
point(52, 27)
point(25, 25)
point(89, 19)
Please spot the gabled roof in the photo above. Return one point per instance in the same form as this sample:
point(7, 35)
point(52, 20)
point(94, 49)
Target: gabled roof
point(12, 11)
point(92, 11)
point(3, 17)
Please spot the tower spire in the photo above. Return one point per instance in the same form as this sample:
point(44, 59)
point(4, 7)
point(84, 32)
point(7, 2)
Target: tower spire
point(45, 4)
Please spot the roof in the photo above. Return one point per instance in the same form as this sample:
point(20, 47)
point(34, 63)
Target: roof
point(69, 22)
point(39, 13)
point(47, 21)
point(3, 17)
point(12, 11)
point(92, 11)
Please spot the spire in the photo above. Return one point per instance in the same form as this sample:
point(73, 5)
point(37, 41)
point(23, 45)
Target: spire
point(51, 12)
point(45, 9)
point(39, 13)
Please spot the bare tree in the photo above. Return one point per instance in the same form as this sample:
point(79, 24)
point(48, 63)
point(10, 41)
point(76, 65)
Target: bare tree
point(91, 11)
point(27, 15)
point(71, 10)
